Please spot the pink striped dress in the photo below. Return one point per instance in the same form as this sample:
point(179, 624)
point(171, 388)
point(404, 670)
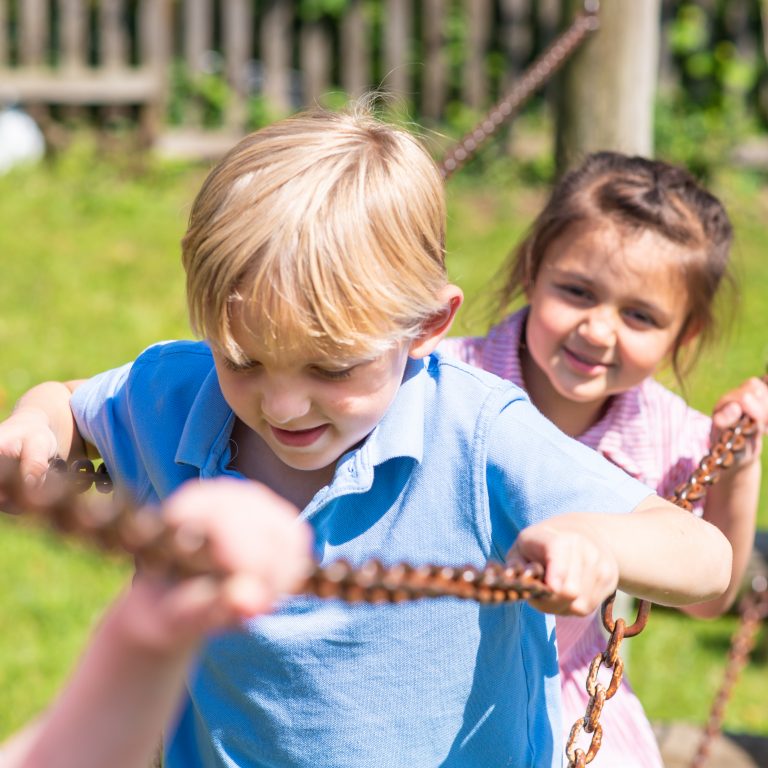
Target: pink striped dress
point(654, 436)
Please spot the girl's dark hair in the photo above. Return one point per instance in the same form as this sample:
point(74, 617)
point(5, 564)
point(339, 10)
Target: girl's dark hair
point(636, 194)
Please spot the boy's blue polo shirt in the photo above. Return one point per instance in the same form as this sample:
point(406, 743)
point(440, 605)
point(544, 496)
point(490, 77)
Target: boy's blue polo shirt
point(459, 464)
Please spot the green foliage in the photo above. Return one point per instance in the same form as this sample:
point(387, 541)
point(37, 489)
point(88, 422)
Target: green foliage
point(711, 108)
point(206, 92)
point(702, 140)
point(314, 10)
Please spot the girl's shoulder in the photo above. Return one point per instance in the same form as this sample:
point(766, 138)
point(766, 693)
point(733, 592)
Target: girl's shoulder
point(665, 408)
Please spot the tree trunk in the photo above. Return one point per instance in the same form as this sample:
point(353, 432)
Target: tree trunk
point(608, 88)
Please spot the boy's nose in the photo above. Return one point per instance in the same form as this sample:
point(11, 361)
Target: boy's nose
point(281, 405)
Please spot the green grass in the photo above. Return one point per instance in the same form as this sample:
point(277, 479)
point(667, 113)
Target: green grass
point(91, 275)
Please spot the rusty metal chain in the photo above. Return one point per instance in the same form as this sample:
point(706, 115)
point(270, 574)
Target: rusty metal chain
point(753, 609)
point(534, 77)
point(114, 525)
point(730, 443)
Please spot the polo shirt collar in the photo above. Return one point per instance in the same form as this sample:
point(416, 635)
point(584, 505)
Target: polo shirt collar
point(207, 429)
point(400, 433)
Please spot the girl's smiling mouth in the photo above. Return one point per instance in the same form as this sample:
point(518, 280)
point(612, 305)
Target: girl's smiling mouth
point(583, 363)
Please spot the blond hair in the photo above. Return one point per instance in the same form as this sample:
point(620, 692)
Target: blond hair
point(331, 226)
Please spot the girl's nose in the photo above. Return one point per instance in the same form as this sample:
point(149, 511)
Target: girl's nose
point(599, 326)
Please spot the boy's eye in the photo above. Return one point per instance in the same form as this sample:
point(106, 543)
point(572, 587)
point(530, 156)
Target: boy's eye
point(334, 374)
point(246, 365)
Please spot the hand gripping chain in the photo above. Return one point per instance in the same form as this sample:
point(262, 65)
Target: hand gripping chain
point(730, 444)
point(114, 525)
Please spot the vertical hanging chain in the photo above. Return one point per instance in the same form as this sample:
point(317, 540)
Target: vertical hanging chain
point(534, 77)
point(730, 443)
point(753, 610)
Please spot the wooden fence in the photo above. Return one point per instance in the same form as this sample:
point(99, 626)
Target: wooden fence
point(120, 52)
point(428, 53)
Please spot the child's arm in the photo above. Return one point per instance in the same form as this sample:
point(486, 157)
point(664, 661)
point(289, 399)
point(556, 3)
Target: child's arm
point(731, 503)
point(659, 552)
point(129, 681)
point(41, 427)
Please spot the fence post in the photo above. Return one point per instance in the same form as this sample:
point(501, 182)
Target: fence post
point(73, 37)
point(154, 26)
point(398, 29)
point(434, 82)
point(475, 86)
point(33, 22)
point(276, 53)
point(355, 50)
point(315, 60)
point(238, 37)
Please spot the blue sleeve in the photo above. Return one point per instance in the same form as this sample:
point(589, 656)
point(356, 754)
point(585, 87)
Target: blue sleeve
point(135, 415)
point(535, 471)
point(101, 411)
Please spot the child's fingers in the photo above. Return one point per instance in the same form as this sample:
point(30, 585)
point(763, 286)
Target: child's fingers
point(751, 398)
point(36, 452)
point(252, 532)
point(580, 574)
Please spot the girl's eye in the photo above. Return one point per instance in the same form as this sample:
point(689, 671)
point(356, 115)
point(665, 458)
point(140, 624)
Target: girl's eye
point(639, 317)
point(575, 291)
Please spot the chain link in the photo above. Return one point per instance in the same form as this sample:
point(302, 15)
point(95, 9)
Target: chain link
point(113, 525)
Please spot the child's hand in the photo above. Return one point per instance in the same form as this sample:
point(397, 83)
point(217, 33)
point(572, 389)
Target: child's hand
point(257, 542)
point(580, 572)
point(26, 435)
point(751, 398)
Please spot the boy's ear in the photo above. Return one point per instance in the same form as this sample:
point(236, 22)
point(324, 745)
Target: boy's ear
point(437, 327)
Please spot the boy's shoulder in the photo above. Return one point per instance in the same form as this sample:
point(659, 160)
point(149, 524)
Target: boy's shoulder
point(176, 367)
point(177, 359)
point(175, 351)
point(460, 375)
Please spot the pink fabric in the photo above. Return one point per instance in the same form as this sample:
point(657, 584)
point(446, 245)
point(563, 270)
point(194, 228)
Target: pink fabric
point(654, 436)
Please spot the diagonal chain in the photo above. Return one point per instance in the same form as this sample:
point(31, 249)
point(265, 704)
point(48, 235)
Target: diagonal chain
point(534, 77)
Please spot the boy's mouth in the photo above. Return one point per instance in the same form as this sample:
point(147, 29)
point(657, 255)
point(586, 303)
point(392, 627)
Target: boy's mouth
point(298, 438)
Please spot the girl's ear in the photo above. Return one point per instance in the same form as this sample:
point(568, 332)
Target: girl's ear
point(438, 326)
point(691, 330)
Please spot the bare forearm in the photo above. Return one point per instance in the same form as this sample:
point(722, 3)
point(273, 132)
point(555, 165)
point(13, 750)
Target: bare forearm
point(731, 506)
point(663, 553)
point(113, 709)
point(50, 403)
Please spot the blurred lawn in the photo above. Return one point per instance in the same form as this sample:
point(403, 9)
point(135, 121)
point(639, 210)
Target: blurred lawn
point(91, 275)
